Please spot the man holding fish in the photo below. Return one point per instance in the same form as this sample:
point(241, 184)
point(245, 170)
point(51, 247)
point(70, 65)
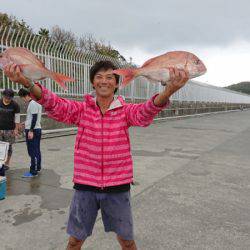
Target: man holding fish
point(103, 167)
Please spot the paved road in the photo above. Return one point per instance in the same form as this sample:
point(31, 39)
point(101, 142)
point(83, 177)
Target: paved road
point(192, 189)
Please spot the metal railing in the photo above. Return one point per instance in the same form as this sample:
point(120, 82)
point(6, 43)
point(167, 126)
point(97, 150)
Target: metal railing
point(71, 61)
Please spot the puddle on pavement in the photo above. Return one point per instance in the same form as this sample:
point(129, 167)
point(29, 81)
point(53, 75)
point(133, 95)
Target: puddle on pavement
point(26, 215)
point(46, 185)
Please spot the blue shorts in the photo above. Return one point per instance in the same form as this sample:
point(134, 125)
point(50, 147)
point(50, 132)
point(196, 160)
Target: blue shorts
point(115, 210)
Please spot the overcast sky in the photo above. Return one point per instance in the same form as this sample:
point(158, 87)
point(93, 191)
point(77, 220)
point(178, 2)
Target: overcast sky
point(218, 31)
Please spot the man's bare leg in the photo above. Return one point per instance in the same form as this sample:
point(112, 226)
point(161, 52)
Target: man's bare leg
point(74, 244)
point(127, 244)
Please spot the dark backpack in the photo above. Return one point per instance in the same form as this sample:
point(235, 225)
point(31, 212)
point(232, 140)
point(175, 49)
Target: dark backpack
point(2, 171)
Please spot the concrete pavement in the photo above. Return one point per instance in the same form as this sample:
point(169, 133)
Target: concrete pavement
point(192, 189)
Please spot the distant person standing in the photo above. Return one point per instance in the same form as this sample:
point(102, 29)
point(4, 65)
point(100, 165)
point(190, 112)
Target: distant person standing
point(32, 132)
point(9, 121)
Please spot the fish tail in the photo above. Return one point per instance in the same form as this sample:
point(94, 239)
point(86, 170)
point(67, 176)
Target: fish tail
point(61, 79)
point(127, 74)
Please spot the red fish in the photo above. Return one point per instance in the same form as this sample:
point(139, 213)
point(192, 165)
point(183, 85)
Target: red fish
point(31, 67)
point(157, 69)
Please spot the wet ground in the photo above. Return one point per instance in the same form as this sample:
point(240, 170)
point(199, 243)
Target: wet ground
point(191, 189)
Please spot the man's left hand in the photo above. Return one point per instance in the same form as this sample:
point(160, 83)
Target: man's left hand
point(30, 135)
point(178, 78)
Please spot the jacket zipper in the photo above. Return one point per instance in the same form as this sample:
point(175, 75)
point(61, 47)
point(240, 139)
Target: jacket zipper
point(78, 142)
point(102, 186)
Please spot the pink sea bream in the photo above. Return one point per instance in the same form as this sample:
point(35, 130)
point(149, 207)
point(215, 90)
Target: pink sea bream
point(31, 67)
point(157, 69)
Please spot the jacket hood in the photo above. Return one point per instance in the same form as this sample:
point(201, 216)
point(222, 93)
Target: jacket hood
point(118, 101)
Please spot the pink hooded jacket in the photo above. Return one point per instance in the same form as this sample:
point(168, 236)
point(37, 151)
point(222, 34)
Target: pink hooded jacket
point(102, 155)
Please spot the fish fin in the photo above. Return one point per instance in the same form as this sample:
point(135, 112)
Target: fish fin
point(127, 74)
point(61, 79)
point(148, 62)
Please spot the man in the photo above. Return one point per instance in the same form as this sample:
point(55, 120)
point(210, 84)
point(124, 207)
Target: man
point(32, 132)
point(9, 121)
point(103, 168)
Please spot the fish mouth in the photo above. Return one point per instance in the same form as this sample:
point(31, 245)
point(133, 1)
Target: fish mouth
point(201, 70)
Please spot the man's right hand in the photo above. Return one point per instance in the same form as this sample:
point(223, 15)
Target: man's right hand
point(13, 72)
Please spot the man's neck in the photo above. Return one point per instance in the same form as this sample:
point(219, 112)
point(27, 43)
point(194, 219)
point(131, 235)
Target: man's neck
point(104, 102)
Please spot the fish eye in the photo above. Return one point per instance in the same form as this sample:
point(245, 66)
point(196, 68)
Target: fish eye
point(197, 61)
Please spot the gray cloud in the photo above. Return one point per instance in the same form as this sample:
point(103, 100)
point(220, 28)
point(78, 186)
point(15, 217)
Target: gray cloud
point(150, 25)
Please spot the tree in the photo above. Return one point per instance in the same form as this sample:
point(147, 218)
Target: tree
point(12, 22)
point(5, 20)
point(43, 32)
point(89, 43)
point(243, 87)
point(86, 42)
point(13, 28)
point(63, 36)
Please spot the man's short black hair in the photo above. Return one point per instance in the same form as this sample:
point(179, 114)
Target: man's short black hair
point(8, 93)
point(102, 65)
point(23, 92)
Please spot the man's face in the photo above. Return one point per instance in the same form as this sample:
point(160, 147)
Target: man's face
point(7, 99)
point(104, 83)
